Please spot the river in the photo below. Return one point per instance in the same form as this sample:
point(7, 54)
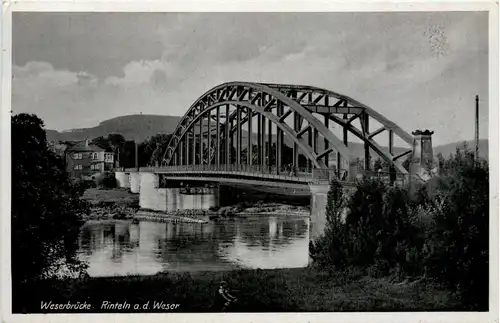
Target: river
point(116, 248)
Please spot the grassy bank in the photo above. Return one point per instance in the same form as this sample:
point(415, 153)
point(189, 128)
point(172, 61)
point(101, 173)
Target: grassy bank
point(302, 289)
point(111, 203)
point(117, 195)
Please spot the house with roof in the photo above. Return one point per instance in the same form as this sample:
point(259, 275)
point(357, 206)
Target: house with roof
point(85, 161)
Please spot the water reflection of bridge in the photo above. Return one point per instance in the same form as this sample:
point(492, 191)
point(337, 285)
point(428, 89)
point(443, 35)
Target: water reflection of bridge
point(148, 247)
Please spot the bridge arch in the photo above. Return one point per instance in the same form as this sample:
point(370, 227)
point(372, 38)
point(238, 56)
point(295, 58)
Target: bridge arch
point(278, 103)
point(283, 126)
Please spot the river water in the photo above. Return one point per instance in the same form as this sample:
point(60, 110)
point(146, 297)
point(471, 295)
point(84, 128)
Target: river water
point(115, 248)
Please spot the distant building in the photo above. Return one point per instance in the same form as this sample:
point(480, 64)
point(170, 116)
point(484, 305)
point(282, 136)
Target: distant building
point(85, 161)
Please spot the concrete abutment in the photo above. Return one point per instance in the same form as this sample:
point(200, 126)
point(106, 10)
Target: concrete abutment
point(135, 182)
point(319, 199)
point(122, 179)
point(153, 197)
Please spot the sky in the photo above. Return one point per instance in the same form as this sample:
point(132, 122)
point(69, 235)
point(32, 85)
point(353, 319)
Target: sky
point(421, 70)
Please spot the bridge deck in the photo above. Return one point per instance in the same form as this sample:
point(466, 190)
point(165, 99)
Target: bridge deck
point(258, 175)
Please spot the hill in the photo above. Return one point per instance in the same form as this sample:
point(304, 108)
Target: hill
point(451, 148)
point(132, 127)
point(142, 126)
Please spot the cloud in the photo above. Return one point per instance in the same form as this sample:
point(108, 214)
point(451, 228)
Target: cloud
point(383, 60)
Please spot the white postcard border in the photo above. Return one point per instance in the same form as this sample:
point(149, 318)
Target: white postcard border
point(233, 6)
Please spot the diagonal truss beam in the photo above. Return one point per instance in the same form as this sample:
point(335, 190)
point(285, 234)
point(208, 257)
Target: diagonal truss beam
point(307, 150)
point(262, 98)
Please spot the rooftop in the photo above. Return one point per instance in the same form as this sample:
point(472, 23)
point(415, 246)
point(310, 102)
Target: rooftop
point(85, 146)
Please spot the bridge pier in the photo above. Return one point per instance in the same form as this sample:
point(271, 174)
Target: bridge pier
point(135, 182)
point(152, 197)
point(122, 179)
point(319, 199)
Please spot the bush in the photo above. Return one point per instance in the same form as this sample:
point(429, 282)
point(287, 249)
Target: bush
point(458, 246)
point(328, 251)
point(365, 223)
point(440, 230)
point(106, 180)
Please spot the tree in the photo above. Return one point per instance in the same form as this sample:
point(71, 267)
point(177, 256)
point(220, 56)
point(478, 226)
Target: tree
point(102, 142)
point(155, 148)
point(46, 206)
point(127, 154)
point(459, 243)
point(441, 161)
point(365, 220)
point(378, 164)
point(438, 231)
point(329, 249)
point(116, 141)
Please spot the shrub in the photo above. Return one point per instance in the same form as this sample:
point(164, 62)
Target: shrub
point(328, 250)
point(364, 222)
point(459, 243)
point(106, 180)
point(440, 230)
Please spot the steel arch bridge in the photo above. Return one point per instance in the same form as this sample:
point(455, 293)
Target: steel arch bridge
point(211, 131)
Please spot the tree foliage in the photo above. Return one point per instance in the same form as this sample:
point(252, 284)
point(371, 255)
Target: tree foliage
point(46, 206)
point(102, 143)
point(364, 221)
point(438, 230)
point(116, 141)
point(155, 147)
point(329, 250)
point(106, 180)
point(459, 249)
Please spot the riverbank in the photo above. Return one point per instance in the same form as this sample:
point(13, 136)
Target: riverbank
point(121, 204)
point(108, 204)
point(277, 290)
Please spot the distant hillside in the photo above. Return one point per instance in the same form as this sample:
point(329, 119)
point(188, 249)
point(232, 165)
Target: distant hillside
point(448, 149)
point(132, 127)
point(53, 135)
point(140, 127)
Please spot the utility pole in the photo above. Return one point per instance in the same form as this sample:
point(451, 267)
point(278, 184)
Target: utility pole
point(118, 158)
point(137, 152)
point(476, 156)
point(136, 156)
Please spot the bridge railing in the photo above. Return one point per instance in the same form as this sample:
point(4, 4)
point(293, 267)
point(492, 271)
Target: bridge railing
point(304, 174)
point(392, 178)
point(328, 174)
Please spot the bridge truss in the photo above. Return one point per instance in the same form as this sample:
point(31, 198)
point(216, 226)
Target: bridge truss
point(211, 132)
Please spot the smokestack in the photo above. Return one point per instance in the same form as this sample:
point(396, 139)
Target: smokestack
point(476, 156)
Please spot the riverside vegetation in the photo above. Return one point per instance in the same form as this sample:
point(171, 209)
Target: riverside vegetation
point(434, 233)
point(397, 249)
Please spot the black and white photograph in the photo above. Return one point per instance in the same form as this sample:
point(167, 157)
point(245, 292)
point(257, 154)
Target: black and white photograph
point(250, 161)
